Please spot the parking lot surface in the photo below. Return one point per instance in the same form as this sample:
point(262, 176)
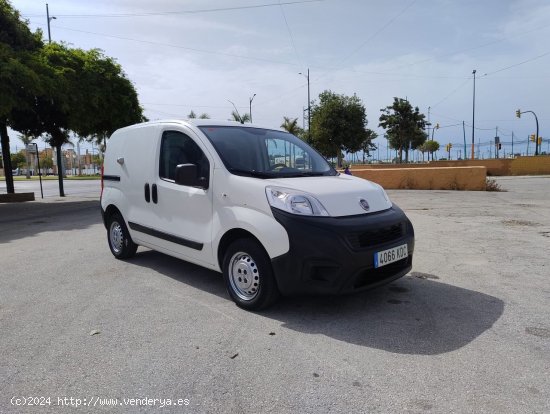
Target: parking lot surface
point(467, 331)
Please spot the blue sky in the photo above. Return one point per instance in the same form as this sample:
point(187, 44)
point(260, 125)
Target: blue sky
point(197, 55)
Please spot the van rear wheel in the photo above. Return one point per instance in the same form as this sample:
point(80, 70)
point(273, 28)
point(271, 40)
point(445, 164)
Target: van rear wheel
point(119, 239)
point(248, 275)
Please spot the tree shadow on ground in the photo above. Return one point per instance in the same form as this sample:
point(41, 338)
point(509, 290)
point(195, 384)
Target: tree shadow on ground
point(413, 315)
point(19, 220)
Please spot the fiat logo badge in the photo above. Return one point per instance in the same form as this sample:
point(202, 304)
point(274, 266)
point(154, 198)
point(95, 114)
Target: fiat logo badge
point(364, 205)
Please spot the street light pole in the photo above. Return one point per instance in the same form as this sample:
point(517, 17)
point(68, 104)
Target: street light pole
point(308, 105)
point(49, 20)
point(473, 114)
point(251, 99)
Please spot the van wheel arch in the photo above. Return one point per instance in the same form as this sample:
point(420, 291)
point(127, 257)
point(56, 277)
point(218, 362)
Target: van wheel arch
point(229, 237)
point(109, 211)
point(247, 271)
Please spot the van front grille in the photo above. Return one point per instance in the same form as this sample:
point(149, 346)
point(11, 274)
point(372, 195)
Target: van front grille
point(374, 237)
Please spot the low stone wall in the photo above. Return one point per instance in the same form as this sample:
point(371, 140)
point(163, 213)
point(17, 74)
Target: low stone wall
point(443, 178)
point(16, 197)
point(539, 165)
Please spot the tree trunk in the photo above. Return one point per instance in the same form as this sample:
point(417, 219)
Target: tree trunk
point(60, 171)
point(6, 157)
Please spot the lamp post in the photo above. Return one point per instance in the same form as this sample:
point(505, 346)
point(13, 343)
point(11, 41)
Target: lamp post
point(251, 99)
point(308, 104)
point(518, 114)
point(474, 114)
point(49, 20)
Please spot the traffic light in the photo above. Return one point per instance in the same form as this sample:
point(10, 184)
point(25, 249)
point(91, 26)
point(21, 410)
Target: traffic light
point(437, 126)
point(499, 146)
point(532, 137)
point(518, 113)
point(539, 141)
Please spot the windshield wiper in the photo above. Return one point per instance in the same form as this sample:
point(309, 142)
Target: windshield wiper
point(252, 173)
point(302, 174)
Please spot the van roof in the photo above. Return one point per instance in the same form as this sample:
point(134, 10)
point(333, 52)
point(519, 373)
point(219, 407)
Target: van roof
point(200, 122)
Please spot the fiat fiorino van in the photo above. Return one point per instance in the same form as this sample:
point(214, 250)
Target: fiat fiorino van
point(256, 204)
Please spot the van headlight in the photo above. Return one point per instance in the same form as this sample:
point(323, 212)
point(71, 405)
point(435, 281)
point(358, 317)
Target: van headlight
point(384, 194)
point(294, 202)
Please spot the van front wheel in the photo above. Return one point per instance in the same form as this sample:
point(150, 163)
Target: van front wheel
point(119, 239)
point(248, 275)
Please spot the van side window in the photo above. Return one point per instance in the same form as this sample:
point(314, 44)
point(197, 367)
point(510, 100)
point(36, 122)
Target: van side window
point(177, 148)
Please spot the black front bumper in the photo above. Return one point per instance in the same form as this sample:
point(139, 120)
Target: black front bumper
point(335, 255)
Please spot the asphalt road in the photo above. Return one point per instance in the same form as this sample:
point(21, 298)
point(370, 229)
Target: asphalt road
point(468, 331)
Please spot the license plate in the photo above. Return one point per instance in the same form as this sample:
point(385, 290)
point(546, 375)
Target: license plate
point(391, 255)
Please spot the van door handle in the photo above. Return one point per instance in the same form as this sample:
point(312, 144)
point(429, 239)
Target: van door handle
point(154, 193)
point(147, 193)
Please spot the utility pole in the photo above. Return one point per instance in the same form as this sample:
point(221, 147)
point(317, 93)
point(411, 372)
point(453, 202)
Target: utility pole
point(49, 20)
point(473, 114)
point(512, 144)
point(497, 142)
point(464, 133)
point(308, 105)
point(428, 124)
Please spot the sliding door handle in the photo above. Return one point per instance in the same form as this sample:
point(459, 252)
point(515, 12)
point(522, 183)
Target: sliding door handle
point(154, 194)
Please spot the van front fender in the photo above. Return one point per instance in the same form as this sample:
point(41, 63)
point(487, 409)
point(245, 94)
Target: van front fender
point(270, 233)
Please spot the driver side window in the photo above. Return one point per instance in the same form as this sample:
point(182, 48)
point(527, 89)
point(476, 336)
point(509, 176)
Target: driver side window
point(177, 148)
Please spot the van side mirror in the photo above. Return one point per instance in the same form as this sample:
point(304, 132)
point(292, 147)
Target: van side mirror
point(187, 174)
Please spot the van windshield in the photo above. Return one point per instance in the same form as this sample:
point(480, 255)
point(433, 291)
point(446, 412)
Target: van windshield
point(265, 153)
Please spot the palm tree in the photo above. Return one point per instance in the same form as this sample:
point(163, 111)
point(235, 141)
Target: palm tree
point(291, 126)
point(193, 115)
point(240, 118)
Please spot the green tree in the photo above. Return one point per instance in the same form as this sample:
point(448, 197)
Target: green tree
point(431, 147)
point(367, 145)
point(404, 126)
point(338, 123)
point(422, 148)
point(291, 126)
point(19, 82)
point(18, 159)
point(78, 83)
point(45, 162)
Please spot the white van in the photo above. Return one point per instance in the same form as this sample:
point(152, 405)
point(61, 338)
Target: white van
point(259, 205)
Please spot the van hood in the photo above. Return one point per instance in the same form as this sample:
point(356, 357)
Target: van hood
point(341, 195)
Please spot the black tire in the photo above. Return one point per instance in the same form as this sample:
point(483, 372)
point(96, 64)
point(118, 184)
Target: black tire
point(119, 239)
point(248, 275)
